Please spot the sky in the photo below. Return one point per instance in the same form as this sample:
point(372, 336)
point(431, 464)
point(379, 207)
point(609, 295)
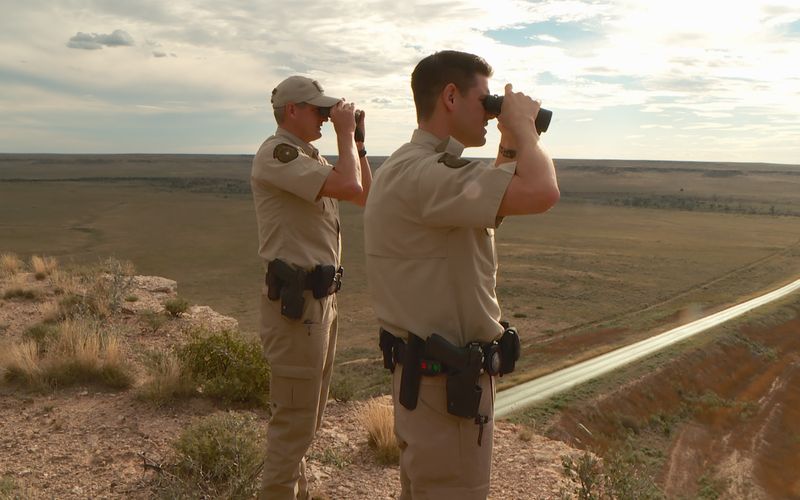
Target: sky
point(688, 80)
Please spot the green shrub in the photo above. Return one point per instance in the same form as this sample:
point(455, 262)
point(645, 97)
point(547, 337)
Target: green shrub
point(227, 366)
point(176, 306)
point(217, 457)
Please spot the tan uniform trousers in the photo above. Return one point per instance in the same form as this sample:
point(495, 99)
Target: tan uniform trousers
point(440, 457)
point(301, 354)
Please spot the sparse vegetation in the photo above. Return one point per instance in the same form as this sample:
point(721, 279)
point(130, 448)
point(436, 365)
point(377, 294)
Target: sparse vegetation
point(217, 457)
point(618, 476)
point(167, 380)
point(10, 264)
point(152, 320)
point(8, 488)
point(225, 365)
point(332, 456)
point(80, 352)
point(176, 306)
point(378, 419)
point(43, 266)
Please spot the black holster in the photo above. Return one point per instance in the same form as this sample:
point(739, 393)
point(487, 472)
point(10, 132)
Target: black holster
point(286, 283)
point(412, 374)
point(463, 370)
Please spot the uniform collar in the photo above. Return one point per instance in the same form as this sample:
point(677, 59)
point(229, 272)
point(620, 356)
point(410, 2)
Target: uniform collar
point(308, 148)
point(428, 140)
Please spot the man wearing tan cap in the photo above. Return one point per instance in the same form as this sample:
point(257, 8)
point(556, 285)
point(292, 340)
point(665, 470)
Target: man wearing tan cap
point(431, 265)
point(296, 193)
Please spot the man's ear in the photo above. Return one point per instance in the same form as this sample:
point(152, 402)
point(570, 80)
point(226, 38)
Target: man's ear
point(449, 96)
point(291, 109)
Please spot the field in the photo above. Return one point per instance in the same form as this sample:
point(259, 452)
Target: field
point(632, 246)
point(632, 249)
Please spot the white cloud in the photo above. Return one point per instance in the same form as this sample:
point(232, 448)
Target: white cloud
point(682, 61)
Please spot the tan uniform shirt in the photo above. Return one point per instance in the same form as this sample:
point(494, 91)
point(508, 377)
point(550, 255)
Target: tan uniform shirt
point(429, 228)
point(294, 225)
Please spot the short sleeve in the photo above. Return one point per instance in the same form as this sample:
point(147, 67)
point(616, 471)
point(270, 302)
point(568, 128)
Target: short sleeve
point(297, 173)
point(466, 195)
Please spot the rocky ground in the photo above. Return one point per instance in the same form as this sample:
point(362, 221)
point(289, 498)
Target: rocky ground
point(82, 442)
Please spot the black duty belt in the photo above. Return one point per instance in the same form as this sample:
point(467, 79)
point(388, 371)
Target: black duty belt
point(462, 365)
point(287, 282)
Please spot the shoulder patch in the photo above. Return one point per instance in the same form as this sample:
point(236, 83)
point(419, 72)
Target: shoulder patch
point(284, 153)
point(453, 161)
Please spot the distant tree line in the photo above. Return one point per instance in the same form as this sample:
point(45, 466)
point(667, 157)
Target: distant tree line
point(687, 203)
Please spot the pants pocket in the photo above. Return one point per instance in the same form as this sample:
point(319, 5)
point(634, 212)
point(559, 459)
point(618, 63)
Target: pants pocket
point(293, 387)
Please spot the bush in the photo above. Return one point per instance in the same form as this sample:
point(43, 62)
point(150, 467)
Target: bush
point(176, 306)
point(43, 266)
point(217, 457)
point(10, 264)
point(152, 320)
point(44, 335)
point(619, 475)
point(227, 366)
point(167, 380)
point(78, 352)
point(378, 420)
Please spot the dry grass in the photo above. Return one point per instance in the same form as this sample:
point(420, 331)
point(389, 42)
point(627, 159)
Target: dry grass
point(65, 283)
point(43, 266)
point(167, 380)
point(80, 352)
point(10, 264)
point(377, 417)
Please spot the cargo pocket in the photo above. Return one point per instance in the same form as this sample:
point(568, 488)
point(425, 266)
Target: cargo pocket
point(293, 386)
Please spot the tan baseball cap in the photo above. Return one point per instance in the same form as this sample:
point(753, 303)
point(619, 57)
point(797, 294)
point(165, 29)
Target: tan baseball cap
point(301, 89)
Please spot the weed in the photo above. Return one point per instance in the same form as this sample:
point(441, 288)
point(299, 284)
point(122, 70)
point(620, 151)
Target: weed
point(175, 307)
point(43, 334)
point(709, 487)
point(167, 380)
point(620, 475)
point(378, 420)
point(225, 365)
point(152, 320)
point(43, 266)
point(217, 457)
point(10, 264)
point(331, 456)
point(525, 434)
point(78, 352)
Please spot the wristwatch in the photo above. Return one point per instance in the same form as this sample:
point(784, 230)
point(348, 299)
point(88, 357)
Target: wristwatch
point(362, 153)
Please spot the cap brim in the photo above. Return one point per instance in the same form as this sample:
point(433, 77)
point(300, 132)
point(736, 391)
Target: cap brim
point(323, 101)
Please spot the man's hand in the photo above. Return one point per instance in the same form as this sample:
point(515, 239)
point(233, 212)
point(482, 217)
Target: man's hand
point(516, 120)
point(343, 117)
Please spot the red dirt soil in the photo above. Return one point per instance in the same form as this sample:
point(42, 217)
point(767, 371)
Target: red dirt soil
point(731, 411)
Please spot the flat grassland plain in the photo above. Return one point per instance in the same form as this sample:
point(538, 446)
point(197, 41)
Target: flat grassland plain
point(633, 247)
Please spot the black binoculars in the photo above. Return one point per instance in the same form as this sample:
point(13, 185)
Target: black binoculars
point(326, 113)
point(494, 103)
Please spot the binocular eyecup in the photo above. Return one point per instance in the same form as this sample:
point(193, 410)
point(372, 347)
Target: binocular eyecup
point(494, 103)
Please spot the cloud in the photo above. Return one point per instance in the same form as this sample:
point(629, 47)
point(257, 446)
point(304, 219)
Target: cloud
point(95, 41)
point(159, 54)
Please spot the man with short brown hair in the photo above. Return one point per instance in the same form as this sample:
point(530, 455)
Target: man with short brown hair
point(296, 193)
point(431, 265)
